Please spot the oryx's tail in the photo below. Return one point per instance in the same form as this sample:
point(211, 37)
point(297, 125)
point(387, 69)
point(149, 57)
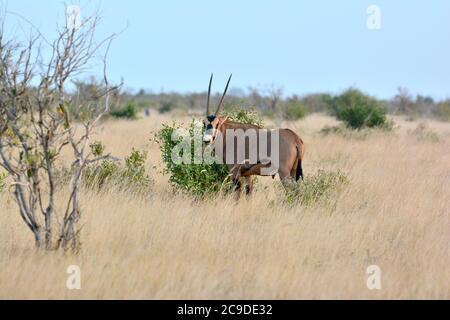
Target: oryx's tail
point(300, 155)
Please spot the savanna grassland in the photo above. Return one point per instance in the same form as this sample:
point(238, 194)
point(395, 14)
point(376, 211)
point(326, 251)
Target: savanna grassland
point(394, 212)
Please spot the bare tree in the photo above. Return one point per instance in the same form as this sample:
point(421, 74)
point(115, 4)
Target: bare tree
point(266, 98)
point(275, 95)
point(403, 100)
point(36, 125)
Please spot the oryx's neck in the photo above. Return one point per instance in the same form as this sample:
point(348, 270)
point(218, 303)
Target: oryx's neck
point(230, 125)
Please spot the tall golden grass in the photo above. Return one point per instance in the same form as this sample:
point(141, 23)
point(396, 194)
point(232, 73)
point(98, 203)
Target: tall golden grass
point(393, 213)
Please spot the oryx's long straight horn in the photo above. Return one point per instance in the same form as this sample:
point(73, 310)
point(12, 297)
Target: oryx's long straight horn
point(208, 102)
point(223, 96)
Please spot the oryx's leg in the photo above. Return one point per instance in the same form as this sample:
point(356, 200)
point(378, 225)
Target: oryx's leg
point(237, 188)
point(294, 171)
point(249, 185)
point(286, 179)
point(284, 173)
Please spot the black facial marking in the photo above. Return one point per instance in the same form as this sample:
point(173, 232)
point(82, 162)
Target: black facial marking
point(211, 118)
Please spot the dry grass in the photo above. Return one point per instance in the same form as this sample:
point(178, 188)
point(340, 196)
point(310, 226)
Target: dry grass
point(394, 213)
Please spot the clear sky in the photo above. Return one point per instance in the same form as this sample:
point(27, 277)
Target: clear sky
point(303, 46)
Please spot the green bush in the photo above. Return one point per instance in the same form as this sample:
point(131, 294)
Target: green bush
point(293, 110)
point(128, 176)
point(129, 111)
point(193, 179)
point(243, 116)
point(315, 188)
point(198, 179)
point(358, 110)
point(97, 148)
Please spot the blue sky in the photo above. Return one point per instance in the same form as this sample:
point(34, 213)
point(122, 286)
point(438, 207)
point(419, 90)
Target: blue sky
point(302, 46)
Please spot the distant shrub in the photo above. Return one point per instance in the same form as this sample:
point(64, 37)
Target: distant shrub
point(167, 106)
point(318, 102)
point(358, 110)
point(128, 111)
point(443, 111)
point(423, 133)
point(315, 188)
point(85, 103)
point(198, 179)
point(346, 132)
point(339, 130)
point(293, 110)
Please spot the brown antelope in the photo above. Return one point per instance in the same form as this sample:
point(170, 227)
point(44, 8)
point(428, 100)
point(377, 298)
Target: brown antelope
point(284, 145)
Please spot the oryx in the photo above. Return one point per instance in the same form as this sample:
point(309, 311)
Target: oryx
point(288, 149)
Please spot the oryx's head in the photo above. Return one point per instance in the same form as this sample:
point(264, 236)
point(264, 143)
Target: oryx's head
point(214, 122)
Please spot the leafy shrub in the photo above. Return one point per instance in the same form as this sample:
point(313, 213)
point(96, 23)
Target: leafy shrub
point(315, 188)
point(129, 111)
point(128, 176)
point(97, 148)
point(135, 169)
point(293, 110)
point(198, 179)
point(243, 116)
point(194, 179)
point(358, 110)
